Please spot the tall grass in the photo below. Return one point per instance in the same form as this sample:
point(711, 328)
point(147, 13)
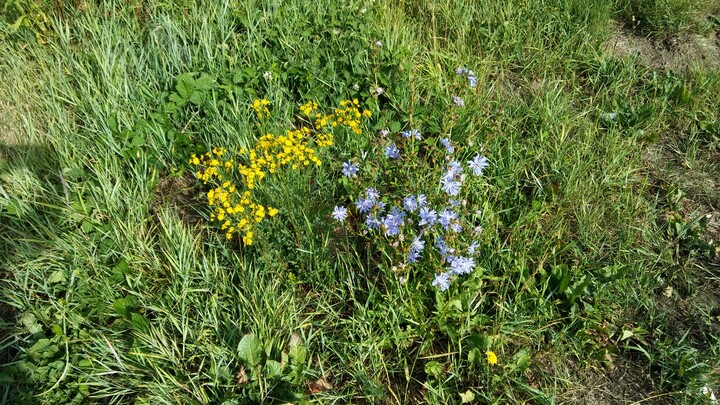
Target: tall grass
point(115, 292)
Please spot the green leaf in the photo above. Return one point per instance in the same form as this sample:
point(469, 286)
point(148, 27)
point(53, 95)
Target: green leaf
point(467, 396)
point(30, 323)
point(433, 368)
point(273, 369)
point(204, 83)
point(44, 348)
point(627, 334)
point(57, 277)
point(250, 350)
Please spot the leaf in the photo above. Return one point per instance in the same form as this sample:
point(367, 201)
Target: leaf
point(204, 83)
point(319, 385)
point(57, 277)
point(241, 377)
point(30, 323)
point(627, 334)
point(44, 348)
point(297, 351)
point(250, 350)
point(16, 25)
point(273, 369)
point(433, 368)
point(185, 85)
point(467, 396)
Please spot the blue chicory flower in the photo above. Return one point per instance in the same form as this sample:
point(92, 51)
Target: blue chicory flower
point(451, 187)
point(392, 151)
point(421, 200)
point(413, 257)
point(350, 169)
point(442, 281)
point(339, 213)
point(478, 164)
point(427, 216)
point(417, 244)
point(410, 203)
point(462, 265)
point(448, 146)
point(364, 205)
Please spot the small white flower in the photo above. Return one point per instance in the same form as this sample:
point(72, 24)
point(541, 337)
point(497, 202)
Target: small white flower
point(378, 44)
point(268, 75)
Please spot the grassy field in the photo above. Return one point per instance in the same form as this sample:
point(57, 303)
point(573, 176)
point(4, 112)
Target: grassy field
point(593, 275)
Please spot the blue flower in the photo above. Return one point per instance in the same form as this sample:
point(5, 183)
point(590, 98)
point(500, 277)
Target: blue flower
point(442, 281)
point(478, 164)
point(410, 203)
point(364, 205)
point(413, 257)
point(339, 213)
point(446, 217)
point(472, 247)
point(393, 221)
point(473, 81)
point(452, 188)
point(442, 246)
point(350, 169)
point(448, 146)
point(456, 227)
point(372, 222)
point(372, 194)
point(458, 101)
point(454, 169)
point(417, 244)
point(392, 151)
point(462, 265)
point(411, 133)
point(421, 200)
point(460, 71)
point(427, 217)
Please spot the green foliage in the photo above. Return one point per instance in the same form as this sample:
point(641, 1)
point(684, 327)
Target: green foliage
point(596, 250)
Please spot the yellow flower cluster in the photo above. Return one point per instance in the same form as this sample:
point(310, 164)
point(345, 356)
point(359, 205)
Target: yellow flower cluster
point(234, 211)
point(260, 107)
point(233, 205)
point(309, 107)
point(349, 115)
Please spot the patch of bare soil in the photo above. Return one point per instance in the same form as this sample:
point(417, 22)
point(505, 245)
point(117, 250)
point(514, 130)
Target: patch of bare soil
point(625, 383)
point(673, 53)
point(177, 192)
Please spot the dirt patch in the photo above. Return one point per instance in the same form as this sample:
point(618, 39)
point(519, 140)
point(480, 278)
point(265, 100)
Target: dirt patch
point(179, 193)
point(677, 53)
point(624, 383)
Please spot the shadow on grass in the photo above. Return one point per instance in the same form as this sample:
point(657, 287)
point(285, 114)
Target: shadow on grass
point(30, 185)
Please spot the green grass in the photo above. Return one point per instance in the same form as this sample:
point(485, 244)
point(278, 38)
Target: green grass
point(596, 252)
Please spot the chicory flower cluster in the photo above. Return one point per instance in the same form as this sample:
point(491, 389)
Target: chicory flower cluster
point(469, 74)
point(424, 225)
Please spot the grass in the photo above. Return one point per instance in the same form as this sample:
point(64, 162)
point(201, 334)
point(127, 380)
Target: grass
point(597, 258)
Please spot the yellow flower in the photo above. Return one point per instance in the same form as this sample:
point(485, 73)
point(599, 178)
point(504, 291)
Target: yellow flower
point(491, 357)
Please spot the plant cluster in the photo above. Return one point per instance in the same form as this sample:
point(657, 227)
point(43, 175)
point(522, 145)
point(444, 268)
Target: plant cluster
point(402, 220)
point(235, 177)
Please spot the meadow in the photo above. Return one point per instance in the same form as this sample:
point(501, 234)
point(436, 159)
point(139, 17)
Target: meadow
point(385, 201)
